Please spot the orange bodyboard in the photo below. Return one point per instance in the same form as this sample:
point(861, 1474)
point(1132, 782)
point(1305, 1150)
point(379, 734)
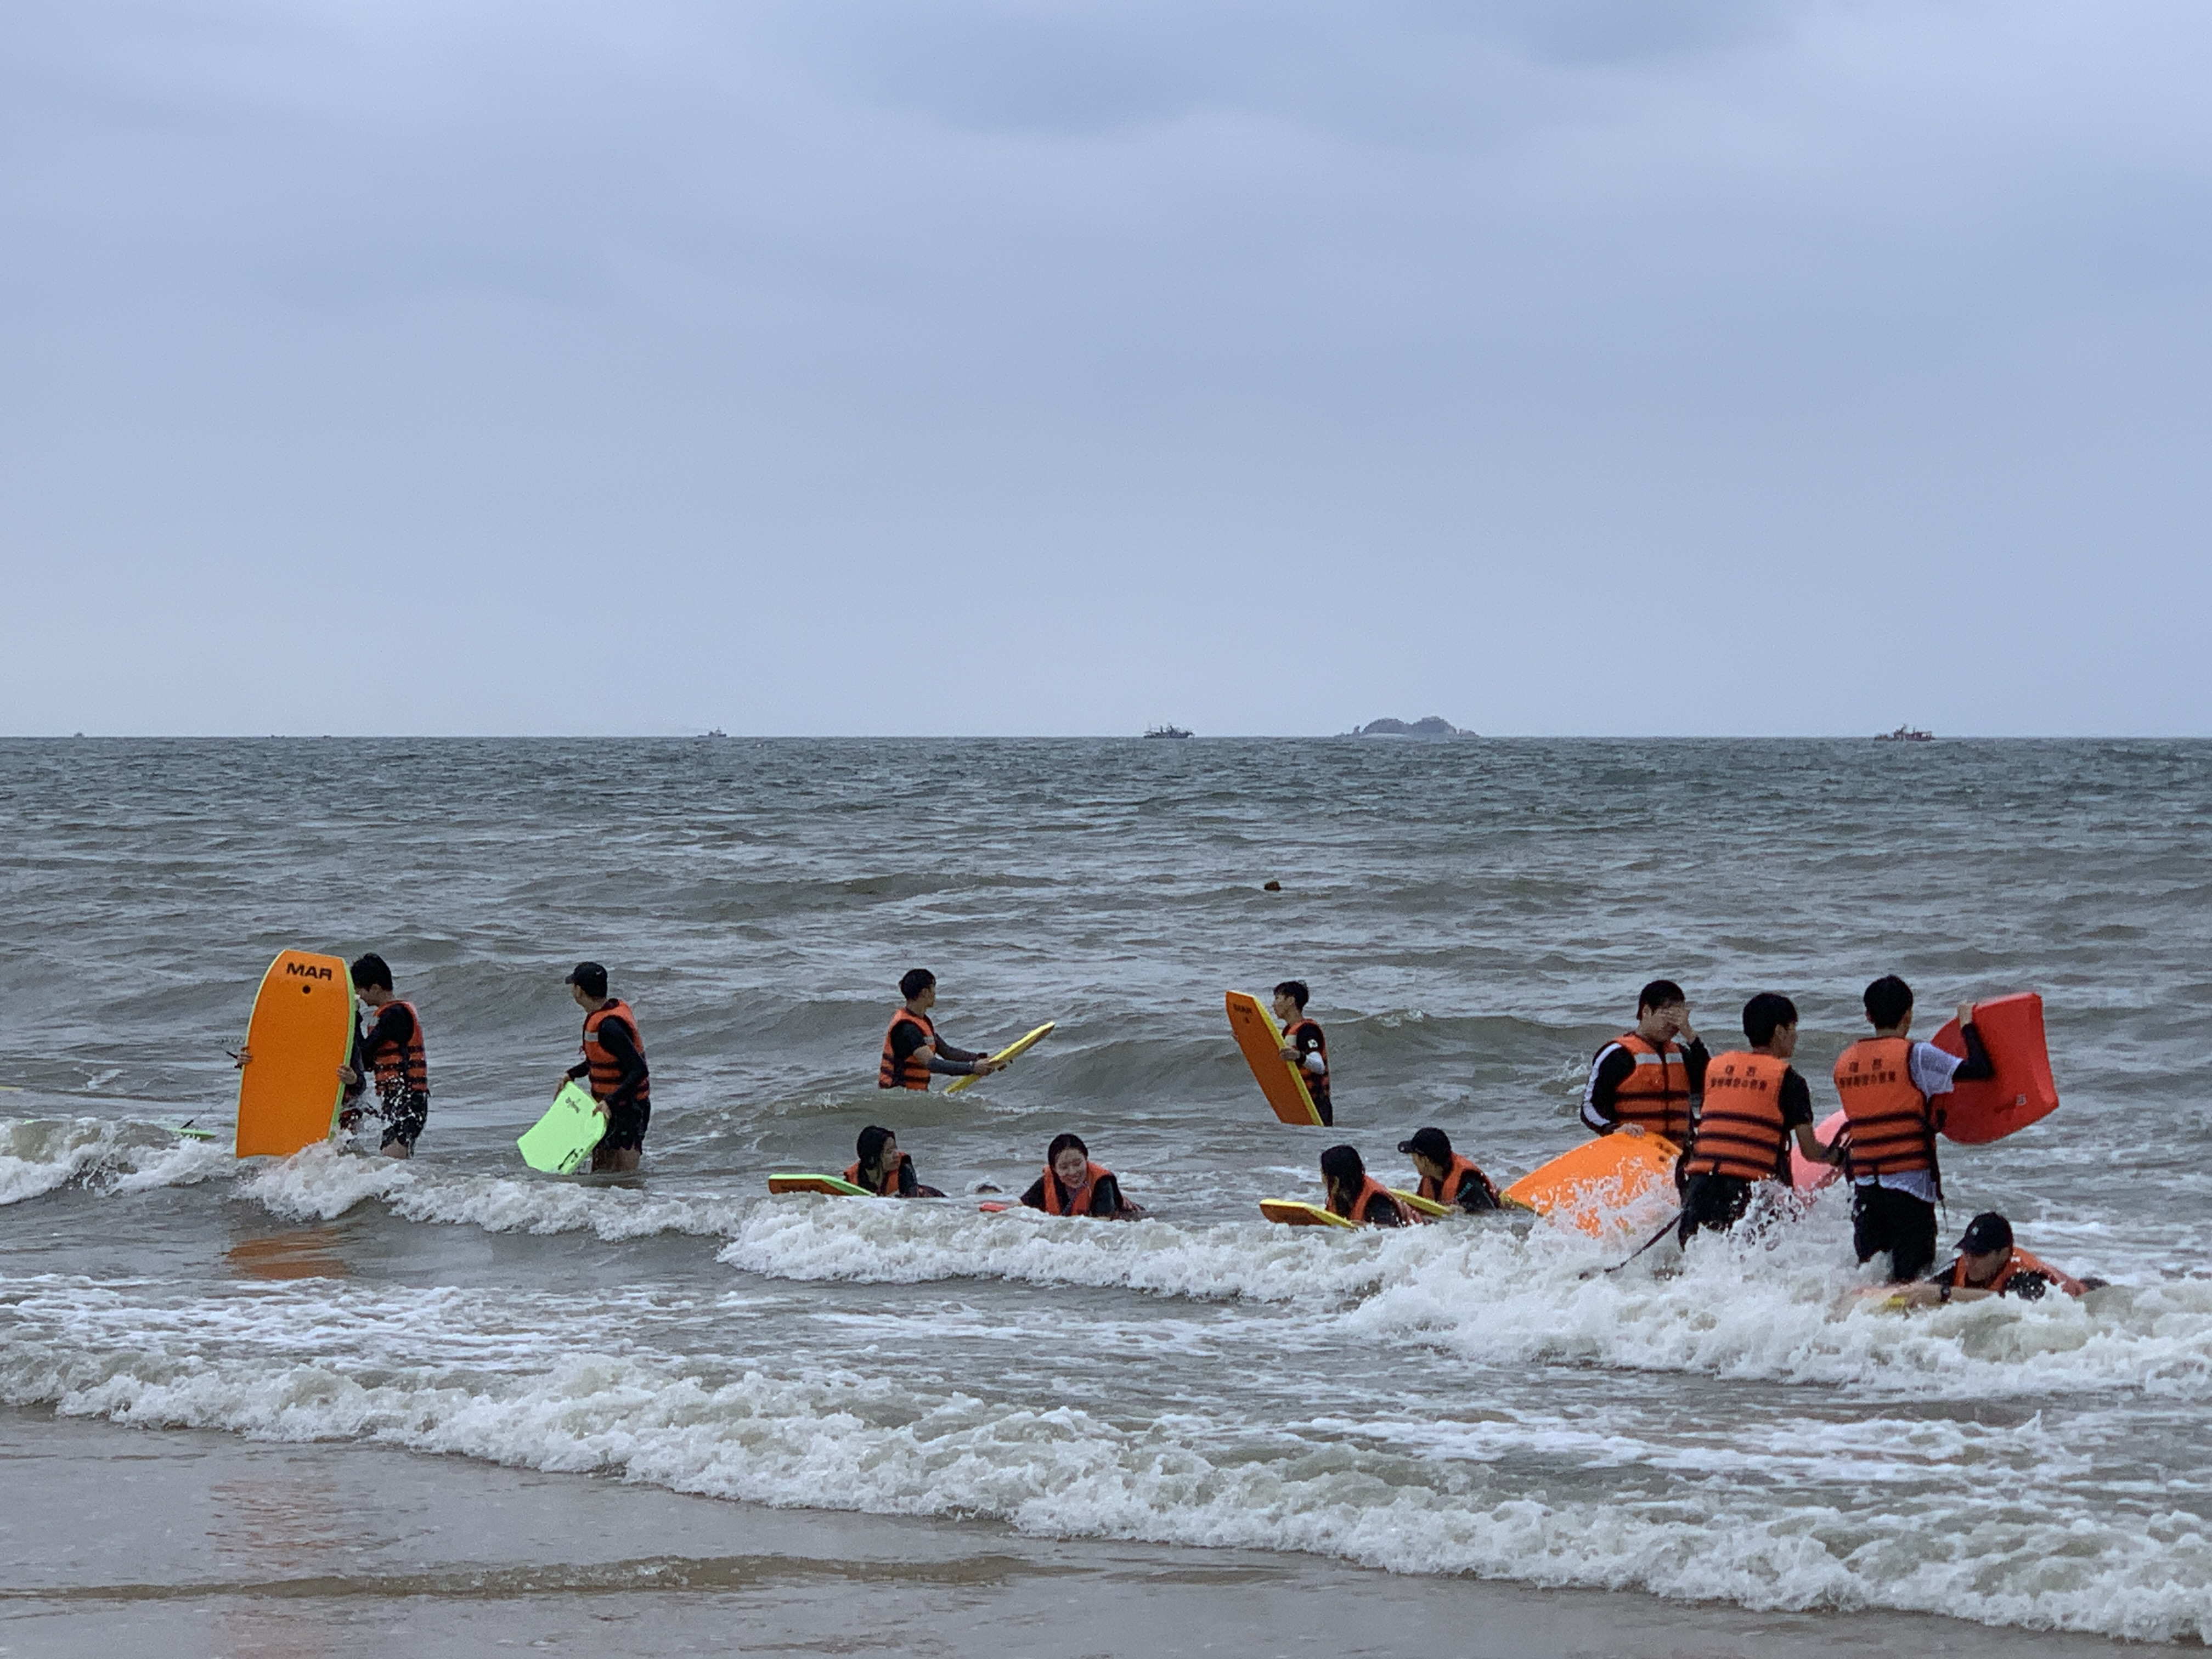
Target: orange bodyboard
point(1261, 1040)
point(1598, 1177)
point(300, 1033)
point(2020, 1093)
point(1296, 1213)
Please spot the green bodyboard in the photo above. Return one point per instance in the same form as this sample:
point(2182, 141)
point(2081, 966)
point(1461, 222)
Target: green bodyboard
point(562, 1139)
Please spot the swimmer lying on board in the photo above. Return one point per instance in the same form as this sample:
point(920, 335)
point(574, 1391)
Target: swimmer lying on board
point(1449, 1178)
point(1073, 1185)
point(1359, 1196)
point(884, 1169)
point(1990, 1264)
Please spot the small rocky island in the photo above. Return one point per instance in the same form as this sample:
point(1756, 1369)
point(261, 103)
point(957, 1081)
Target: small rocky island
point(1434, 727)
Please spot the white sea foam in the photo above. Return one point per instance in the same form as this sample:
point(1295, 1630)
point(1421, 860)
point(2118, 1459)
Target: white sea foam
point(38, 1155)
point(2011, 1546)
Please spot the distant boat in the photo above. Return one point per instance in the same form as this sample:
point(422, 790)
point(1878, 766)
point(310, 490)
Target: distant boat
point(1906, 734)
point(1165, 731)
point(716, 733)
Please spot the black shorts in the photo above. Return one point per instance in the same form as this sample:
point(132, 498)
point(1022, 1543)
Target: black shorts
point(626, 1126)
point(1883, 1219)
point(404, 1120)
point(1713, 1201)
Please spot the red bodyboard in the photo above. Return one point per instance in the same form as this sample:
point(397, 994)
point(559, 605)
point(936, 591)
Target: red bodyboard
point(2020, 1093)
point(1804, 1174)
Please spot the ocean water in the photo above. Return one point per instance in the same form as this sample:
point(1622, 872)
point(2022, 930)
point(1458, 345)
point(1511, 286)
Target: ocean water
point(1474, 918)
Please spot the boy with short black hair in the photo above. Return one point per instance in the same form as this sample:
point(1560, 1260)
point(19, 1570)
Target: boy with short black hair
point(1646, 1080)
point(614, 1061)
point(1305, 1050)
point(1754, 1103)
point(389, 1050)
point(913, 1052)
point(1889, 1084)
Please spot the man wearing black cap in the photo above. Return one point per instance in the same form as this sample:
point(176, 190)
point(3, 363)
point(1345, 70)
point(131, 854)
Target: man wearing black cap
point(614, 1061)
point(1448, 1177)
point(1990, 1264)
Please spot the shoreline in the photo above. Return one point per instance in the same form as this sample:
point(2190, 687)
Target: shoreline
point(193, 1542)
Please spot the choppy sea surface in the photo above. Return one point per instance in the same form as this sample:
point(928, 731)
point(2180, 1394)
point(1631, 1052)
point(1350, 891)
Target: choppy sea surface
point(1474, 918)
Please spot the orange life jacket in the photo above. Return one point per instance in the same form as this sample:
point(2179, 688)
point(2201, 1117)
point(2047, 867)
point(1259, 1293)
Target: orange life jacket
point(401, 1071)
point(1655, 1096)
point(888, 1185)
point(1371, 1189)
point(1739, 1129)
point(1079, 1202)
point(1463, 1171)
point(1316, 1086)
point(1888, 1116)
point(914, 1071)
point(2016, 1260)
point(605, 1072)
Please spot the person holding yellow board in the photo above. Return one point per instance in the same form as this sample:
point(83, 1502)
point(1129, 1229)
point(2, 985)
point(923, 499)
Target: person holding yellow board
point(1304, 1048)
point(913, 1052)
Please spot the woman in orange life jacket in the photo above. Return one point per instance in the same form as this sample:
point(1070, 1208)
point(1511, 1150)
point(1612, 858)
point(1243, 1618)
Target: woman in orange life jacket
point(1447, 1178)
point(614, 1064)
point(391, 1051)
point(1073, 1185)
point(1647, 1081)
point(883, 1169)
point(1889, 1084)
point(1357, 1195)
point(1304, 1049)
point(1754, 1103)
point(1990, 1264)
point(913, 1052)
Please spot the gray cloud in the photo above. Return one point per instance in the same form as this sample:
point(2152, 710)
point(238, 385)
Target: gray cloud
point(1477, 346)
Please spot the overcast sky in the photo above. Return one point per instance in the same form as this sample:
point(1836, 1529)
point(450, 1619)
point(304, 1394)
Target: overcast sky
point(884, 366)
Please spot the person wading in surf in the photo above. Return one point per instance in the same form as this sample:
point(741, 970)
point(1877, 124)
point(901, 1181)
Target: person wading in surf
point(390, 1050)
point(884, 1169)
point(1990, 1264)
point(1073, 1185)
point(1357, 1195)
point(1647, 1081)
point(913, 1052)
point(1448, 1178)
point(1304, 1049)
point(1754, 1103)
point(1889, 1084)
point(614, 1061)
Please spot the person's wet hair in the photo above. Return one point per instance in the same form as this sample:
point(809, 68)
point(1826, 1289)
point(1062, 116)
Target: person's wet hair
point(1066, 1143)
point(1888, 1000)
point(1343, 1163)
point(871, 1145)
point(370, 968)
point(1295, 989)
point(1660, 993)
point(1766, 1014)
point(914, 982)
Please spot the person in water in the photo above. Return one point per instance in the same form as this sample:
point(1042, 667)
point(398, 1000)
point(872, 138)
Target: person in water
point(1357, 1195)
point(1073, 1185)
point(1990, 1264)
point(1448, 1177)
point(913, 1052)
point(1304, 1049)
point(1754, 1102)
point(1888, 1083)
point(884, 1169)
point(614, 1062)
point(388, 1049)
point(1647, 1081)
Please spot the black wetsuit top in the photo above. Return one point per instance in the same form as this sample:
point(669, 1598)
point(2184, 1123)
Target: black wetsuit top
point(946, 1061)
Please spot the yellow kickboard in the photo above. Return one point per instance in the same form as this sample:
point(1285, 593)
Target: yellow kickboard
point(1596, 1178)
point(828, 1186)
point(1020, 1046)
point(1427, 1207)
point(1261, 1040)
point(1296, 1213)
point(300, 1032)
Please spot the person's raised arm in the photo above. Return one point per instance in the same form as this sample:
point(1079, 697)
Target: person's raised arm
point(1977, 1065)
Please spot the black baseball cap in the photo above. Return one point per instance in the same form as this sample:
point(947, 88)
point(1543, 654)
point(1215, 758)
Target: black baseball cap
point(1429, 1143)
point(1987, 1232)
point(589, 978)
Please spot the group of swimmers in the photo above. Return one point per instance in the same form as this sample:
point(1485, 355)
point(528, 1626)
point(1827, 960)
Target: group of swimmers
point(1735, 1115)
